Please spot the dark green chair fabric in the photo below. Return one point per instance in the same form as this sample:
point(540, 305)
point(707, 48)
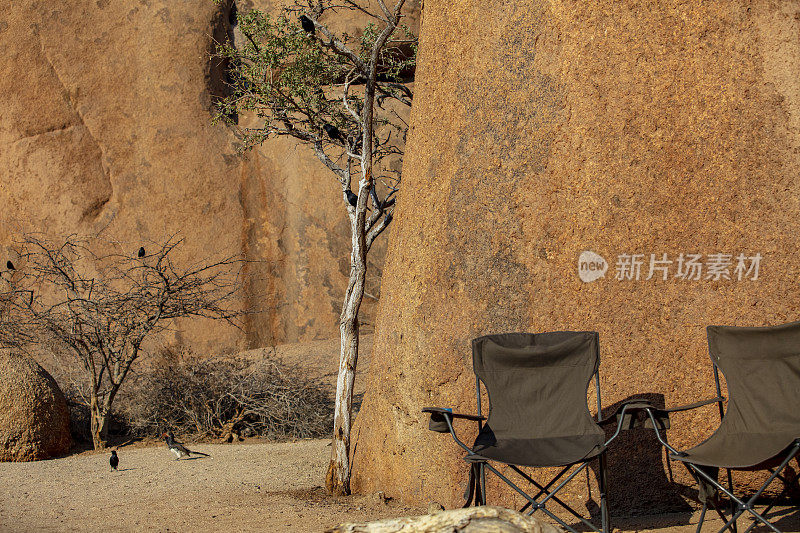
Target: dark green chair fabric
point(537, 386)
point(762, 371)
point(760, 428)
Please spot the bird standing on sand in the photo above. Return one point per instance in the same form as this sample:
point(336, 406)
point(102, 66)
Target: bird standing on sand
point(179, 449)
point(113, 460)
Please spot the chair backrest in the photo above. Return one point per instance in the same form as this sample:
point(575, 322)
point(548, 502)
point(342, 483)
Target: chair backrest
point(537, 382)
point(762, 371)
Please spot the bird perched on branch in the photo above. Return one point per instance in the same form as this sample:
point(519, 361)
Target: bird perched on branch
point(179, 449)
point(332, 131)
point(141, 252)
point(307, 24)
point(10, 265)
point(113, 460)
point(352, 198)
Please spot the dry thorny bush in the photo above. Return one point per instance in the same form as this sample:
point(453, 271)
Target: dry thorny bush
point(226, 397)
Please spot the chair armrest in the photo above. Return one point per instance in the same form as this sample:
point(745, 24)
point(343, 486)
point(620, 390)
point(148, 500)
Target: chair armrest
point(626, 415)
point(694, 405)
point(439, 416)
point(448, 411)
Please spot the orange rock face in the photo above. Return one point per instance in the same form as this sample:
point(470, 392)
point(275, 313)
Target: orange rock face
point(105, 125)
point(545, 129)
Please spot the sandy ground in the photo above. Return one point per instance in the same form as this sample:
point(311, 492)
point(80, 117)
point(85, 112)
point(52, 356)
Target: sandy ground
point(249, 486)
point(241, 487)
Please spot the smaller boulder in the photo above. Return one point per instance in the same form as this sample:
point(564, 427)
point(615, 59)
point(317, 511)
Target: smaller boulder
point(34, 419)
point(379, 498)
point(435, 507)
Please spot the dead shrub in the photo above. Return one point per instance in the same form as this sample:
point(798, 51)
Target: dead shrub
point(226, 397)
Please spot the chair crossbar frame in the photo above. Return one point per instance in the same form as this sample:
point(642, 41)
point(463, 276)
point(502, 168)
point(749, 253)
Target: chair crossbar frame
point(738, 506)
point(541, 505)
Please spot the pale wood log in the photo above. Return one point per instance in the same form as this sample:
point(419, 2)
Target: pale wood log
point(483, 519)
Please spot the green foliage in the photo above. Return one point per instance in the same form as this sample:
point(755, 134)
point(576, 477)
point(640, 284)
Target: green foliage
point(294, 81)
point(399, 57)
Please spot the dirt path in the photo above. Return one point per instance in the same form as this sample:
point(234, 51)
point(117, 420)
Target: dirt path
point(242, 487)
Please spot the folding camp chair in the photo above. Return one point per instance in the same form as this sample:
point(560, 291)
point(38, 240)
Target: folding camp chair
point(538, 417)
point(760, 430)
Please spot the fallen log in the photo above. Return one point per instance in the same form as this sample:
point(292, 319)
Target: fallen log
point(470, 520)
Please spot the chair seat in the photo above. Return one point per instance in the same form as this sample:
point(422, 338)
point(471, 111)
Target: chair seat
point(542, 452)
point(737, 450)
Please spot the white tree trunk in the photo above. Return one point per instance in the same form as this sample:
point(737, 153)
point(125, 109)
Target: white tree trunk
point(337, 480)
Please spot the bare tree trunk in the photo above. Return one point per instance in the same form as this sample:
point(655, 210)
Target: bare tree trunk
point(99, 425)
point(337, 480)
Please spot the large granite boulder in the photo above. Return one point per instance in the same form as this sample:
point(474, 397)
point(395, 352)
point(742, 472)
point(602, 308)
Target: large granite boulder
point(34, 419)
point(542, 130)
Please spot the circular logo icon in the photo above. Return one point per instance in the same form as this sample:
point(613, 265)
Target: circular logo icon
point(591, 266)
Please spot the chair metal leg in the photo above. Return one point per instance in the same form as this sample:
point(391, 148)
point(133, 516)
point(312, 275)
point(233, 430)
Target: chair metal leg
point(537, 506)
point(541, 505)
point(733, 504)
point(544, 489)
point(741, 506)
point(702, 517)
point(602, 479)
point(767, 509)
point(751, 502)
point(483, 484)
point(720, 513)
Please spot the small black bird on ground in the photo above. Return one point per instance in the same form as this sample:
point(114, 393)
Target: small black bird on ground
point(113, 460)
point(141, 252)
point(10, 265)
point(307, 24)
point(179, 449)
